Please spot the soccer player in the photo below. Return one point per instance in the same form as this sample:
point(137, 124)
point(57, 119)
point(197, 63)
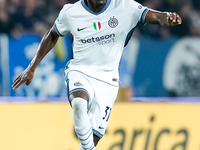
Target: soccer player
point(100, 29)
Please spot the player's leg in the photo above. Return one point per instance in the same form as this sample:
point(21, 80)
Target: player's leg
point(105, 95)
point(79, 101)
point(80, 91)
point(96, 140)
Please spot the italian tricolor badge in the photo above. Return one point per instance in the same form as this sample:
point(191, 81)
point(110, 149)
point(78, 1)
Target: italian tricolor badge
point(97, 25)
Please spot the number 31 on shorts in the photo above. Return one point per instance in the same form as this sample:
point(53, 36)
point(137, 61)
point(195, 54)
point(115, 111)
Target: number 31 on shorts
point(107, 113)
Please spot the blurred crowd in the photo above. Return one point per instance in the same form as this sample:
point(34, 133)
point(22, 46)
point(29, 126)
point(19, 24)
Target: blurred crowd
point(189, 10)
point(37, 16)
point(29, 16)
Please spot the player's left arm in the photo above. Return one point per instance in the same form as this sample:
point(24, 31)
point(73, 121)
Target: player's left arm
point(163, 18)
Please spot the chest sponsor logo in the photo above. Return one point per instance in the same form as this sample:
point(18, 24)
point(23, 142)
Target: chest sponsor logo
point(101, 40)
point(113, 22)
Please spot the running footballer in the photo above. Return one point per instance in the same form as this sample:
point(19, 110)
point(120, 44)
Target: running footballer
point(100, 29)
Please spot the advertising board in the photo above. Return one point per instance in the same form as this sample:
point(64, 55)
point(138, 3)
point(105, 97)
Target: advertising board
point(132, 126)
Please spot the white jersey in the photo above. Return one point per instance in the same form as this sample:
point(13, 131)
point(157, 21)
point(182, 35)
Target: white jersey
point(99, 38)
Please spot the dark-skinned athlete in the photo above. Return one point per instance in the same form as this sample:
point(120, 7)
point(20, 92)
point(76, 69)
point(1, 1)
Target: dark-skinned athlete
point(100, 29)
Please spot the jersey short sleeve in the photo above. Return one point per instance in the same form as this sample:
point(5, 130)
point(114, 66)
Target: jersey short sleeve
point(137, 11)
point(61, 23)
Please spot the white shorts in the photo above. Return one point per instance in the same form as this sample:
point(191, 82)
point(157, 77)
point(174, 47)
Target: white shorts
point(101, 98)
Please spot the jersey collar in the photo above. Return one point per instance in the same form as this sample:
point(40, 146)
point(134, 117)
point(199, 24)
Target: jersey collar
point(89, 10)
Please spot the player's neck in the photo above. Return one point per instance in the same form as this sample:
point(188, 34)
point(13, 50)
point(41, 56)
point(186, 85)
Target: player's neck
point(96, 5)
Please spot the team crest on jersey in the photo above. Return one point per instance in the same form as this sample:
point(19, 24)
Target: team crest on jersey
point(113, 22)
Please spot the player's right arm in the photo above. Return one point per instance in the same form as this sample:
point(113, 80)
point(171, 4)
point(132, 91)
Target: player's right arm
point(47, 43)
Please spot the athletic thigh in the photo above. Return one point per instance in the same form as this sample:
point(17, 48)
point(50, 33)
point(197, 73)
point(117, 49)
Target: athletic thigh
point(101, 98)
point(75, 82)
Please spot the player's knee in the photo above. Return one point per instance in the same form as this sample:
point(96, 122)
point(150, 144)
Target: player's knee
point(79, 107)
point(78, 94)
point(77, 110)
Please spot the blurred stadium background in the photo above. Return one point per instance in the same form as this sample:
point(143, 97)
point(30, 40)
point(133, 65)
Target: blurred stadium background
point(158, 104)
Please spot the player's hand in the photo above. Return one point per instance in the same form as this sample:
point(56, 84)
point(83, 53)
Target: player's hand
point(173, 19)
point(163, 18)
point(25, 77)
